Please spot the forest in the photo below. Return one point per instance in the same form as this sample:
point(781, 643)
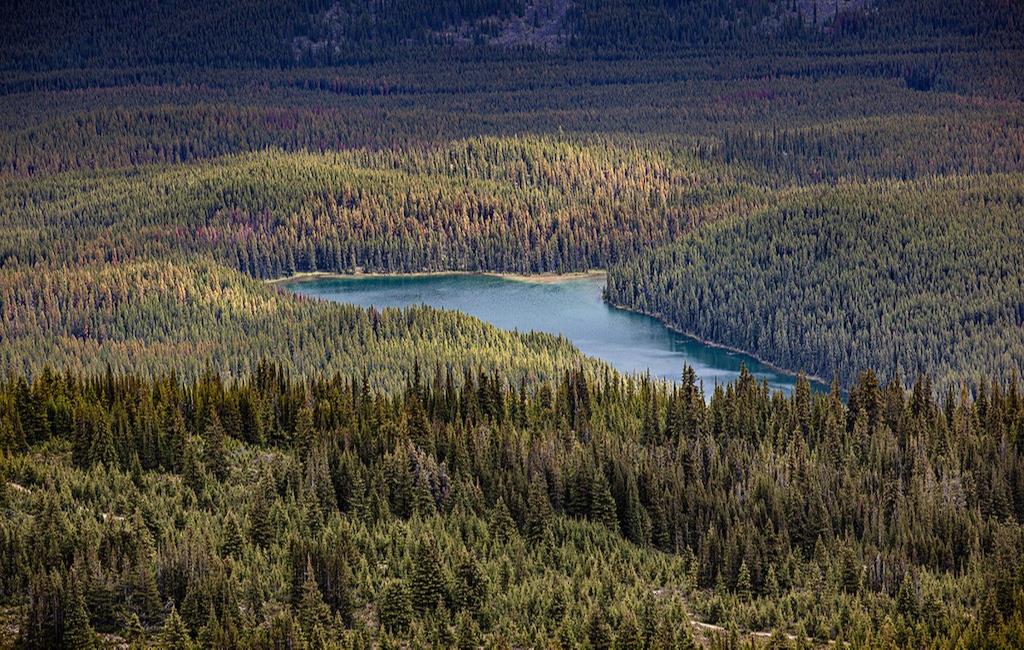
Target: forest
point(194, 456)
point(285, 512)
point(944, 296)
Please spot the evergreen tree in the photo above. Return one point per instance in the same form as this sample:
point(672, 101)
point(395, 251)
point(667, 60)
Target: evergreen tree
point(743, 587)
point(427, 584)
point(231, 542)
point(502, 526)
point(602, 504)
point(313, 612)
point(664, 637)
point(143, 597)
point(260, 530)
point(599, 633)
point(395, 606)
point(174, 636)
point(470, 588)
point(628, 636)
point(467, 632)
point(538, 512)
point(215, 448)
point(304, 430)
point(193, 472)
point(78, 633)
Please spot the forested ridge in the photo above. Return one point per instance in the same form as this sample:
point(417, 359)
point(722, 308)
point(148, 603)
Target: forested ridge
point(907, 277)
point(273, 511)
point(188, 317)
point(73, 34)
point(484, 204)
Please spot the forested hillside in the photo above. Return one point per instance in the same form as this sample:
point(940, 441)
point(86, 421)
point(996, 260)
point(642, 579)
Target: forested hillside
point(485, 204)
point(280, 513)
point(909, 278)
point(112, 33)
point(189, 317)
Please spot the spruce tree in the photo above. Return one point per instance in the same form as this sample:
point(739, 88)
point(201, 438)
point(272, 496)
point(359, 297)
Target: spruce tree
point(215, 455)
point(664, 637)
point(470, 590)
point(78, 633)
point(313, 611)
point(211, 634)
point(599, 633)
point(193, 472)
point(743, 588)
point(304, 430)
point(467, 632)
point(502, 526)
point(628, 636)
point(427, 584)
point(636, 522)
point(602, 504)
point(260, 530)
point(144, 599)
point(395, 606)
point(174, 636)
point(538, 512)
point(231, 542)
point(685, 637)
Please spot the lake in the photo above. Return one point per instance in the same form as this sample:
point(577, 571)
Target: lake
point(572, 307)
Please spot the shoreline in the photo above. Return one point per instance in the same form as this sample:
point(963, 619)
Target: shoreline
point(813, 379)
point(532, 278)
point(552, 278)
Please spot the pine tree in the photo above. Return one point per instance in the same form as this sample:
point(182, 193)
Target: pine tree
point(427, 584)
point(602, 504)
point(538, 512)
point(628, 636)
point(231, 543)
point(78, 633)
point(174, 636)
point(215, 455)
point(599, 633)
point(743, 588)
point(395, 607)
point(313, 611)
point(502, 526)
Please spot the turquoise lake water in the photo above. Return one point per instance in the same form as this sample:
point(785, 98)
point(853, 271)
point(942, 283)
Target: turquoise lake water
point(573, 308)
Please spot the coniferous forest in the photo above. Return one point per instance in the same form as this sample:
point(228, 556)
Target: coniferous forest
point(194, 456)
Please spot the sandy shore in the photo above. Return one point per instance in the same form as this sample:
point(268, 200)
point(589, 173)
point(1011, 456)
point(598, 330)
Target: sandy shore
point(536, 278)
